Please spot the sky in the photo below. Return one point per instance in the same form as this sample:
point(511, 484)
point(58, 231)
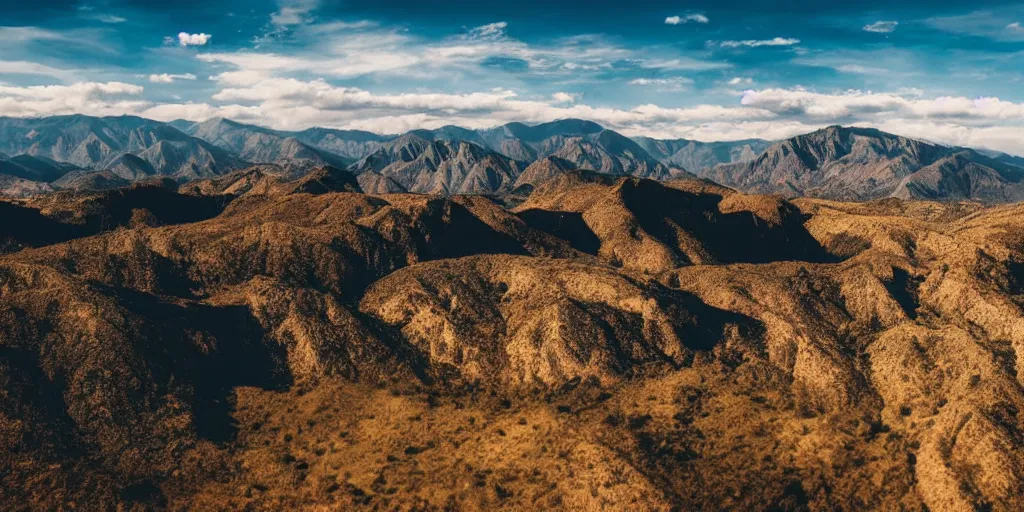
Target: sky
point(948, 72)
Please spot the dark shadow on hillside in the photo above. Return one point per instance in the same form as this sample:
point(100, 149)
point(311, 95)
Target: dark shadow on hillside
point(699, 325)
point(903, 289)
point(737, 237)
point(26, 227)
point(159, 204)
point(32, 398)
point(211, 350)
point(455, 232)
point(408, 355)
point(115, 208)
point(568, 226)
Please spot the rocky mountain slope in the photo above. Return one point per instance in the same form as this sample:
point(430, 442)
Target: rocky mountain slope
point(255, 341)
point(99, 143)
point(695, 155)
point(834, 163)
point(861, 164)
point(441, 167)
point(257, 144)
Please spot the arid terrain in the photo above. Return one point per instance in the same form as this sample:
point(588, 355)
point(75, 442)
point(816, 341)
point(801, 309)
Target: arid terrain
point(597, 342)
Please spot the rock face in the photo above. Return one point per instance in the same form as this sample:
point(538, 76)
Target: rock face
point(542, 171)
point(261, 341)
point(256, 144)
point(695, 155)
point(861, 164)
point(96, 143)
point(438, 167)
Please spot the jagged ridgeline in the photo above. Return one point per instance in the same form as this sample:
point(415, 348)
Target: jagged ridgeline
point(270, 338)
point(88, 153)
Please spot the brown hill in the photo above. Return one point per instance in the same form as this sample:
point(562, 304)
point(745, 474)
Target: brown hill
point(256, 342)
point(651, 226)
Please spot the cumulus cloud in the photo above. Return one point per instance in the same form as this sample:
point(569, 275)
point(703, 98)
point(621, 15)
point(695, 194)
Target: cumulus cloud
point(1015, 27)
point(565, 97)
point(678, 20)
point(291, 103)
point(772, 113)
point(906, 104)
point(186, 39)
point(754, 43)
point(741, 81)
point(883, 27)
point(166, 78)
point(93, 98)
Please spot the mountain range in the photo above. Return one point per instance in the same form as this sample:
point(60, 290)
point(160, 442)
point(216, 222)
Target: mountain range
point(81, 152)
point(862, 164)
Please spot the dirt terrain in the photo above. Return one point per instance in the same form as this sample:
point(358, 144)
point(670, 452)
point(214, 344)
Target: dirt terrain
point(603, 343)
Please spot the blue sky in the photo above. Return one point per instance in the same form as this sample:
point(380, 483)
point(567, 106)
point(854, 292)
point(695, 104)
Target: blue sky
point(943, 71)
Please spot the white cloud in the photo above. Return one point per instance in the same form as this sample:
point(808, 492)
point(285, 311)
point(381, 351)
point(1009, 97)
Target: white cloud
point(290, 103)
point(110, 18)
point(186, 39)
point(682, 64)
point(904, 104)
point(741, 81)
point(20, 67)
point(88, 13)
point(566, 97)
point(293, 12)
point(754, 43)
point(350, 64)
point(883, 27)
point(288, 16)
point(379, 51)
point(489, 31)
point(695, 18)
point(982, 23)
point(93, 98)
point(674, 83)
point(766, 113)
point(10, 37)
point(165, 78)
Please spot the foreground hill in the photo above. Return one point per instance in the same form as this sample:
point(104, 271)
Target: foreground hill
point(255, 341)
